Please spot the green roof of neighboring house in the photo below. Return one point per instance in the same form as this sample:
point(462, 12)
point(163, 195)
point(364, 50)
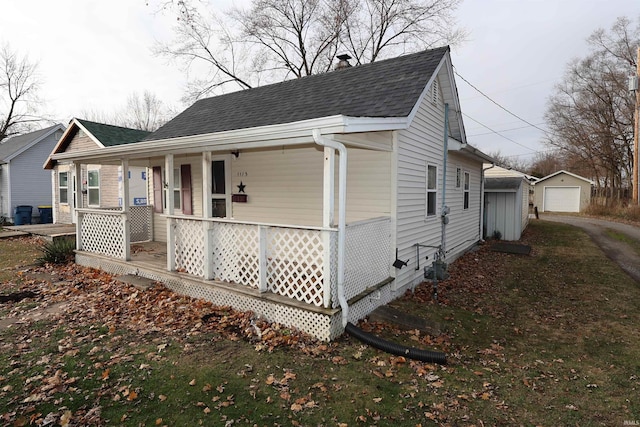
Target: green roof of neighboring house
point(110, 135)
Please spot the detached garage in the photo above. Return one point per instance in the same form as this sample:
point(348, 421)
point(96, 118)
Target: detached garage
point(562, 192)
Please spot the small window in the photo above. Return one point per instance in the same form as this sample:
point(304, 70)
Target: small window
point(458, 177)
point(466, 190)
point(63, 187)
point(432, 189)
point(93, 187)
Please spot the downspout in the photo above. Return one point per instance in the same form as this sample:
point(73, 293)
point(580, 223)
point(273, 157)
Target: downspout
point(493, 165)
point(445, 210)
point(342, 215)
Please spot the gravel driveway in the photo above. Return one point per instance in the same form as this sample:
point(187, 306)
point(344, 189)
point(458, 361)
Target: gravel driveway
point(618, 251)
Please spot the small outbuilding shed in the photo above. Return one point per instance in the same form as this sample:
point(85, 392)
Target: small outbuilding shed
point(506, 206)
point(562, 191)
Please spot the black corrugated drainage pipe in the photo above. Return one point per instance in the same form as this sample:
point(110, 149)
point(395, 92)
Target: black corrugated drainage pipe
point(394, 348)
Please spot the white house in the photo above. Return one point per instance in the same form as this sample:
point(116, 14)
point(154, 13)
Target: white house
point(22, 180)
point(310, 202)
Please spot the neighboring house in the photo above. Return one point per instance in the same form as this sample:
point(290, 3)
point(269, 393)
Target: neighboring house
point(562, 191)
point(508, 195)
point(303, 200)
point(22, 180)
point(101, 184)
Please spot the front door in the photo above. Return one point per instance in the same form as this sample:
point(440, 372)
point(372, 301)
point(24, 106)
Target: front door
point(221, 186)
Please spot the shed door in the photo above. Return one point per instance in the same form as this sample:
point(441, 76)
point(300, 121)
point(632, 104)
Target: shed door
point(502, 215)
point(562, 199)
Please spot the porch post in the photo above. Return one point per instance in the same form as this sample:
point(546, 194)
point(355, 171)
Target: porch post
point(207, 212)
point(262, 258)
point(328, 200)
point(171, 244)
point(77, 203)
point(125, 210)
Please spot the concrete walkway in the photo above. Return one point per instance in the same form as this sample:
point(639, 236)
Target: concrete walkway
point(48, 231)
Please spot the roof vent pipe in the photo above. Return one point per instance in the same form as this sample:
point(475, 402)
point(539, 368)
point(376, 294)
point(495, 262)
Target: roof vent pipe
point(344, 62)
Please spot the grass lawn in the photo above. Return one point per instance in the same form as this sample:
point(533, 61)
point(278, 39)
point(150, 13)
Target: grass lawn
point(547, 339)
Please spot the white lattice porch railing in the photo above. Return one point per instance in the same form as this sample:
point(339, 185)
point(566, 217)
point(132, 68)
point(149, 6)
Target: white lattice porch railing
point(368, 256)
point(296, 262)
point(103, 231)
point(141, 223)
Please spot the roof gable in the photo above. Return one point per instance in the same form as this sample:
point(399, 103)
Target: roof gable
point(565, 172)
point(103, 135)
point(16, 145)
point(110, 135)
point(389, 88)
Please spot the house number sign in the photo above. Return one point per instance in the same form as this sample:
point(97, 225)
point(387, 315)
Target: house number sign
point(240, 174)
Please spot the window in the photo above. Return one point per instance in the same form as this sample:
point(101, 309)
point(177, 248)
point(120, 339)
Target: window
point(218, 189)
point(93, 187)
point(458, 177)
point(63, 187)
point(432, 189)
point(177, 194)
point(466, 191)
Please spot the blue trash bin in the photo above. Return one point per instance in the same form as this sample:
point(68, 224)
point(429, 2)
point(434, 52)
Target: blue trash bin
point(46, 214)
point(22, 215)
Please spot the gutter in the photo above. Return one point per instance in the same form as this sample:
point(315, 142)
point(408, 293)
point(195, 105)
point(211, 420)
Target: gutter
point(342, 216)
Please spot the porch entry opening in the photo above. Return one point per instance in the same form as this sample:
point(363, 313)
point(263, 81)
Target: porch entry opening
point(219, 189)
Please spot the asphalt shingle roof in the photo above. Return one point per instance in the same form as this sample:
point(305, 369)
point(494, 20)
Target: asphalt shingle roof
point(110, 135)
point(17, 143)
point(387, 88)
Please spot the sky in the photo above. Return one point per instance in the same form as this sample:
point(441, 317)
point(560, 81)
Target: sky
point(93, 54)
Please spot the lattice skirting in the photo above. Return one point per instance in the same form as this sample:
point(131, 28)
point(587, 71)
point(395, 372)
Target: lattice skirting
point(323, 326)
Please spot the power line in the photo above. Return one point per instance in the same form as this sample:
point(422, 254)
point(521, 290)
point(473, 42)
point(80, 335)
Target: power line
point(500, 106)
point(498, 133)
point(503, 130)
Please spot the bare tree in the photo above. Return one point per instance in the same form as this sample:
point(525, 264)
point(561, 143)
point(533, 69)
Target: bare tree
point(300, 37)
point(19, 86)
point(590, 114)
point(142, 111)
point(273, 40)
point(510, 162)
point(376, 29)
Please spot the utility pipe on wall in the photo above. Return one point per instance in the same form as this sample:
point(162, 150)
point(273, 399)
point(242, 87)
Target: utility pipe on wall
point(342, 215)
point(445, 210)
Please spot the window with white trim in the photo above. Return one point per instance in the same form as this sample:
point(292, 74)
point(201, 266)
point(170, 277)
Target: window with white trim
point(458, 178)
point(93, 187)
point(63, 187)
point(177, 194)
point(466, 190)
point(432, 189)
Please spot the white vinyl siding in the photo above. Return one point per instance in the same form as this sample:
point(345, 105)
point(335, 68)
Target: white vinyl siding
point(284, 186)
point(422, 144)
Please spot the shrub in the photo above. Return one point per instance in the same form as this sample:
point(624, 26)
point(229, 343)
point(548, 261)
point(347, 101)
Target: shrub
point(59, 251)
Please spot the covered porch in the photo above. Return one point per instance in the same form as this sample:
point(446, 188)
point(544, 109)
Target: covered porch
point(312, 276)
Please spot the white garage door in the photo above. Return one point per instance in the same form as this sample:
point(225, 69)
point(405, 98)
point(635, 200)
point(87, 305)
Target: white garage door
point(562, 199)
